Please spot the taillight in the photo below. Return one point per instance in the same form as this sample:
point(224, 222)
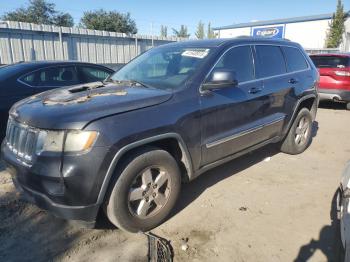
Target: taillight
point(342, 73)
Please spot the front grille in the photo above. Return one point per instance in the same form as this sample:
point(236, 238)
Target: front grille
point(21, 140)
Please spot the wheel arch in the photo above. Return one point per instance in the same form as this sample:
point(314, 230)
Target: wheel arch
point(310, 102)
point(170, 142)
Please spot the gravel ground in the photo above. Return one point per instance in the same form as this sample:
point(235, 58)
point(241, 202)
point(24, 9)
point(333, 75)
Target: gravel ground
point(265, 206)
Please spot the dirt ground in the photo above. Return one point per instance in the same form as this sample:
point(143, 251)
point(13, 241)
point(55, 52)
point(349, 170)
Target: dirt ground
point(265, 206)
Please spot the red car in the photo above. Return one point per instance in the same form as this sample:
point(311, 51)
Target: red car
point(334, 76)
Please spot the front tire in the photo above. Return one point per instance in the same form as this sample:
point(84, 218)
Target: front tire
point(299, 135)
point(145, 192)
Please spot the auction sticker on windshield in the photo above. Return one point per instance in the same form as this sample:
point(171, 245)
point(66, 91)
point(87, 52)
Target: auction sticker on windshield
point(197, 53)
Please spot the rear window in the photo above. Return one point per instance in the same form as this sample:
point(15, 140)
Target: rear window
point(294, 59)
point(330, 61)
point(271, 60)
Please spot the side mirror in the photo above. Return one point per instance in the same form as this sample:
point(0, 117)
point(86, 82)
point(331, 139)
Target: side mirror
point(220, 79)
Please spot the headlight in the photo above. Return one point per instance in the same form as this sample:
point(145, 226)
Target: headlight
point(79, 141)
point(76, 141)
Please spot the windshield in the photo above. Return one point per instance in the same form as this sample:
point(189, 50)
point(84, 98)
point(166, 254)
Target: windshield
point(164, 67)
point(331, 61)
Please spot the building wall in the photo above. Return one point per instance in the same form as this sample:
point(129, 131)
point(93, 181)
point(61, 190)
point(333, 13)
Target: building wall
point(310, 34)
point(228, 33)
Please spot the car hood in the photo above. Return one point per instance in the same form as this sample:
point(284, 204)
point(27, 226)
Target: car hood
point(75, 107)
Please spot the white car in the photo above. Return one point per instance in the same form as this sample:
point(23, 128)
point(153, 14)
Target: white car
point(344, 210)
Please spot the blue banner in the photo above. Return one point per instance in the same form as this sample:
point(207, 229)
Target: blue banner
point(269, 31)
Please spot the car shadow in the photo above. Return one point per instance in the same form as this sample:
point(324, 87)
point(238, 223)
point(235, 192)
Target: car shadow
point(30, 234)
point(315, 128)
point(192, 190)
point(332, 105)
point(329, 241)
point(2, 166)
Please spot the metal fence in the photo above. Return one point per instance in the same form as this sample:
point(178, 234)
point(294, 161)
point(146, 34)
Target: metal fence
point(26, 42)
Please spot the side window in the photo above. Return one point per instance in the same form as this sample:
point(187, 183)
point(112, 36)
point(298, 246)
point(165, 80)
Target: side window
point(52, 77)
point(294, 59)
point(92, 74)
point(271, 61)
point(240, 60)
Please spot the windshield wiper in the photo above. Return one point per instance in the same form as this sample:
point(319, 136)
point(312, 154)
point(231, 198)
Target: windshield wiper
point(131, 82)
point(110, 80)
point(137, 82)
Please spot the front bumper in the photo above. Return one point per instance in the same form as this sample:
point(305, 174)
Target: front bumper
point(85, 214)
point(344, 217)
point(82, 213)
point(73, 196)
point(334, 94)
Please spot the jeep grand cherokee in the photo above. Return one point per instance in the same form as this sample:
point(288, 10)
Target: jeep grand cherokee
point(125, 145)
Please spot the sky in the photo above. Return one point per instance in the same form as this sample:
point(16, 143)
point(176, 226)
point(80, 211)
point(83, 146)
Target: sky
point(175, 13)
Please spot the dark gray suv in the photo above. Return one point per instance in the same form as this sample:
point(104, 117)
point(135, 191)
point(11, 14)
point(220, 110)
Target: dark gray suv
point(125, 145)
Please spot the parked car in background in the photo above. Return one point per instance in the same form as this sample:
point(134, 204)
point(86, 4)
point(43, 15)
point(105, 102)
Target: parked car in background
point(334, 72)
point(126, 145)
point(344, 210)
point(20, 80)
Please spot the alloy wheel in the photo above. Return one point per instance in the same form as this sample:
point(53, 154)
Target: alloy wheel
point(149, 192)
point(302, 131)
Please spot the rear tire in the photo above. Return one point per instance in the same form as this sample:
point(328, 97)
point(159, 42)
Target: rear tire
point(299, 135)
point(145, 192)
point(348, 106)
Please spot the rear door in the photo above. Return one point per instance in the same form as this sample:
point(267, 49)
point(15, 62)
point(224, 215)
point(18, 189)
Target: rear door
point(277, 91)
point(230, 116)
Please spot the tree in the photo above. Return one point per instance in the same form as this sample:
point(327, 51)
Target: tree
point(40, 12)
point(336, 27)
point(163, 31)
point(200, 30)
point(112, 21)
point(183, 32)
point(210, 32)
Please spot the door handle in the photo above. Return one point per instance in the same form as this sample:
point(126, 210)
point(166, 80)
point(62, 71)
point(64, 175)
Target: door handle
point(293, 81)
point(255, 90)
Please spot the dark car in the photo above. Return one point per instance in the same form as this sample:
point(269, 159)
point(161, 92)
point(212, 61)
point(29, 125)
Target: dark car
point(334, 77)
point(165, 118)
point(21, 80)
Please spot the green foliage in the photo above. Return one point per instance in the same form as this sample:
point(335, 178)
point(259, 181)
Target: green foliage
point(112, 21)
point(183, 32)
point(163, 31)
point(40, 12)
point(210, 32)
point(200, 30)
point(336, 27)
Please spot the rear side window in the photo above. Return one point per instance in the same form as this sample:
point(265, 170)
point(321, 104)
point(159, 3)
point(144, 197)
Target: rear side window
point(92, 74)
point(331, 61)
point(52, 77)
point(240, 60)
point(294, 59)
point(271, 61)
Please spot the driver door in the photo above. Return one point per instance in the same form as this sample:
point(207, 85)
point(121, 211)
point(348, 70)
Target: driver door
point(230, 116)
